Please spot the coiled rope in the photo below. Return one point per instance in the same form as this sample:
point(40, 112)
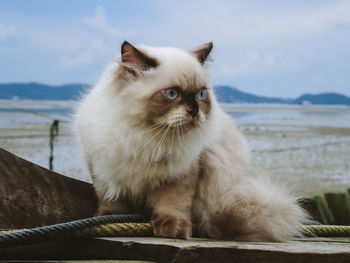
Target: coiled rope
point(89, 227)
point(119, 225)
point(327, 230)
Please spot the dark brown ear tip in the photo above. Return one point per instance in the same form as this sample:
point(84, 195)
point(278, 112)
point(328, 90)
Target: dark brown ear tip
point(202, 52)
point(125, 45)
point(211, 45)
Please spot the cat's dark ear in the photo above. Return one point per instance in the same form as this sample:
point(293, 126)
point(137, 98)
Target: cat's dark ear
point(136, 59)
point(202, 52)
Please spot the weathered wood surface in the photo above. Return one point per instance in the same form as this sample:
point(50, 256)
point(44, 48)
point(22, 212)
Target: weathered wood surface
point(195, 250)
point(79, 261)
point(32, 196)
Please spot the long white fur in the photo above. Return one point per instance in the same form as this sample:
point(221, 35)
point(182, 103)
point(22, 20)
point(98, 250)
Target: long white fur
point(121, 153)
point(102, 123)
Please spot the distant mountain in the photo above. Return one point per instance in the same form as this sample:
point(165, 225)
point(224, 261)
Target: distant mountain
point(225, 94)
point(37, 91)
point(324, 98)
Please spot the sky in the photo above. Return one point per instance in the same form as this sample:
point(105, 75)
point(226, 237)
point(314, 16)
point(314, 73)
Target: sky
point(274, 48)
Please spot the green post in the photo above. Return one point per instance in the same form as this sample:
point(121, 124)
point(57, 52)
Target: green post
point(53, 134)
point(326, 214)
point(312, 206)
point(339, 204)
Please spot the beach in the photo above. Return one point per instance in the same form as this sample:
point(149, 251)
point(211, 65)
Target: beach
point(306, 148)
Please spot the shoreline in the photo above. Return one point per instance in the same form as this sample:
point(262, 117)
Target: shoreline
point(307, 147)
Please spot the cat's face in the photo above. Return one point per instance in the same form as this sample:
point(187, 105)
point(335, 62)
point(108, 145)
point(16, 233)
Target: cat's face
point(183, 106)
point(167, 87)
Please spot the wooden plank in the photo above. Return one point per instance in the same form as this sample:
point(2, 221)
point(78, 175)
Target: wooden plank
point(339, 204)
point(312, 250)
point(32, 196)
point(105, 261)
point(79, 261)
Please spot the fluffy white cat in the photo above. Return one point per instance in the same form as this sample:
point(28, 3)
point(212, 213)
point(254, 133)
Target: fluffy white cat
point(157, 142)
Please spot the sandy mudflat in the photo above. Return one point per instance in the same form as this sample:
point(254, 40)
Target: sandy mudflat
point(308, 147)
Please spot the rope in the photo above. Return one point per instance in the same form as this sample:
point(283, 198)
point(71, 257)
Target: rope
point(121, 226)
point(327, 231)
point(117, 229)
point(80, 227)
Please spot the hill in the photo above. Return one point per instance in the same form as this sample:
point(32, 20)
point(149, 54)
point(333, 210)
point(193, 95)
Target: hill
point(37, 91)
point(324, 98)
point(225, 94)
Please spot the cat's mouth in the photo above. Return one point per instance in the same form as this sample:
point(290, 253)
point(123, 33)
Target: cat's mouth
point(178, 121)
point(182, 123)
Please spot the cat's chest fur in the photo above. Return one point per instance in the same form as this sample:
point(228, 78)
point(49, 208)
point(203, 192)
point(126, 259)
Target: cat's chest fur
point(130, 161)
point(161, 156)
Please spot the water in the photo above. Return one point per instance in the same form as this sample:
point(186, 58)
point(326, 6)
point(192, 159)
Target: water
point(308, 146)
point(317, 116)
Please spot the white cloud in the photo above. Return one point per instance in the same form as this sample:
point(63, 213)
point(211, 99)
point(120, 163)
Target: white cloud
point(235, 24)
point(303, 23)
point(258, 63)
point(94, 50)
point(99, 23)
point(97, 44)
point(69, 62)
point(6, 31)
point(253, 39)
point(77, 45)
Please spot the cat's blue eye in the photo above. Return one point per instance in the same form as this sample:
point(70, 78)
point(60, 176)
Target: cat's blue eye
point(171, 94)
point(202, 94)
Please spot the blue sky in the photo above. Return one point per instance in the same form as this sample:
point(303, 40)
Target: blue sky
point(274, 48)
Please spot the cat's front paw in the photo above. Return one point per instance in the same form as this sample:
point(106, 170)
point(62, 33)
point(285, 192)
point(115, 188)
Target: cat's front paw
point(167, 225)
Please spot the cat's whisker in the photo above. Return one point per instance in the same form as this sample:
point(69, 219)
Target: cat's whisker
point(186, 129)
point(178, 135)
point(153, 137)
point(151, 159)
point(151, 128)
point(182, 133)
point(162, 140)
point(144, 146)
point(155, 149)
point(171, 150)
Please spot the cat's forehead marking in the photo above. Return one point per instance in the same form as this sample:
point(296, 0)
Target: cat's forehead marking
point(178, 67)
point(189, 83)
